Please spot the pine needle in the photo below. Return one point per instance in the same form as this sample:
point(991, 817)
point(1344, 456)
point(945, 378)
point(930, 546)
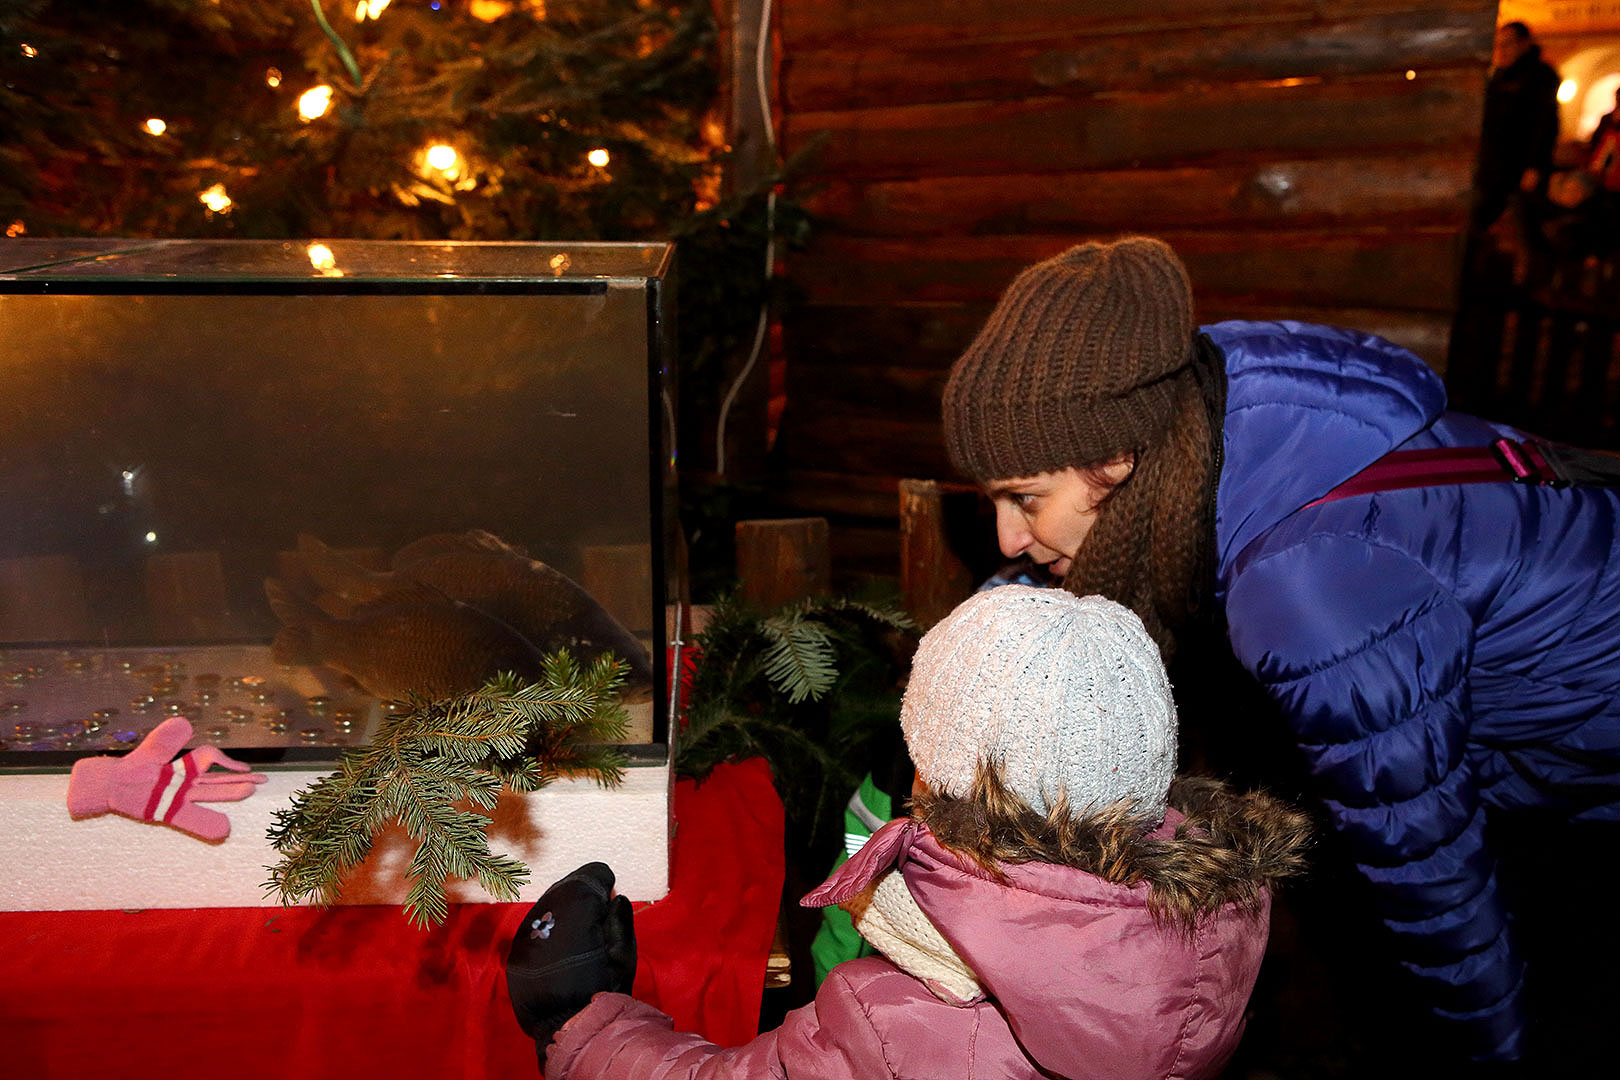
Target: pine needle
point(433, 766)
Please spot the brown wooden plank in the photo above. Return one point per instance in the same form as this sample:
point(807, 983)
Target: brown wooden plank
point(863, 73)
point(910, 393)
point(1130, 130)
point(1402, 269)
point(806, 23)
point(806, 491)
point(867, 348)
point(781, 560)
point(877, 446)
point(1431, 186)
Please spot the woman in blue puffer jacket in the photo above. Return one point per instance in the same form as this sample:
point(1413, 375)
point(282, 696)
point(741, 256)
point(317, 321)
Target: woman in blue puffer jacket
point(1437, 651)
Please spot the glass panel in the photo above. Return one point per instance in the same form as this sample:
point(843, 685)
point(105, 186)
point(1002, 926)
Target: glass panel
point(275, 511)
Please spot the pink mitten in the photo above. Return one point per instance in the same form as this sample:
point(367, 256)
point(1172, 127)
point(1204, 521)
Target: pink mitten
point(145, 784)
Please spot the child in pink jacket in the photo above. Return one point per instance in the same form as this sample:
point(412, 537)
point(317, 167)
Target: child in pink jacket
point(1054, 905)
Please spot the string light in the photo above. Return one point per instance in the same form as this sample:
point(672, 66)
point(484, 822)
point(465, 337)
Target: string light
point(1410, 74)
point(442, 158)
point(369, 9)
point(29, 51)
point(272, 77)
point(314, 102)
point(215, 199)
point(322, 259)
point(488, 10)
point(598, 157)
point(155, 126)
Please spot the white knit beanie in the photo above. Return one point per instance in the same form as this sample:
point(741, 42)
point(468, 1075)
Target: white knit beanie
point(1067, 693)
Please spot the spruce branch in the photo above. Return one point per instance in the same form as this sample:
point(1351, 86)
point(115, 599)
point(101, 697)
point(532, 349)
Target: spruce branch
point(433, 766)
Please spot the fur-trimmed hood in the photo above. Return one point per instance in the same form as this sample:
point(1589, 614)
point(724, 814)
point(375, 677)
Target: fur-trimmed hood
point(1114, 946)
point(1226, 848)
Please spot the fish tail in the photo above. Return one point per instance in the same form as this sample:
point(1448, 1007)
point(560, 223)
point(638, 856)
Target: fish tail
point(289, 608)
point(293, 646)
point(327, 568)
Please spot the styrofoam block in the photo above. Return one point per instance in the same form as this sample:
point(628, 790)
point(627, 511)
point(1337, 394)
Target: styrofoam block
point(50, 862)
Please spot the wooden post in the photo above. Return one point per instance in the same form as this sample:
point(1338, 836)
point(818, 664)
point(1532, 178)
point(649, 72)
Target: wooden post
point(781, 560)
point(933, 580)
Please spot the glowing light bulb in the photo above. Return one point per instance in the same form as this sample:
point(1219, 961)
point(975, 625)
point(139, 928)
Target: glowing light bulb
point(488, 10)
point(314, 102)
point(155, 126)
point(151, 538)
point(598, 157)
point(442, 157)
point(1410, 74)
point(16, 229)
point(1566, 91)
point(215, 199)
point(369, 9)
point(321, 257)
point(272, 77)
point(29, 51)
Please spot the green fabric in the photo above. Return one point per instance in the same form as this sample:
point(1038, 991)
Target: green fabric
point(838, 940)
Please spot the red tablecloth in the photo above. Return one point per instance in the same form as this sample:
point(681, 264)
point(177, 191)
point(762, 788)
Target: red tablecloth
point(242, 993)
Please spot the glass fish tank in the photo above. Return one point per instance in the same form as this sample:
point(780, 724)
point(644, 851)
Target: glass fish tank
point(276, 487)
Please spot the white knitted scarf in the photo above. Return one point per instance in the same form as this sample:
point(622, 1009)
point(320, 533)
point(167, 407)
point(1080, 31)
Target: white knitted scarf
point(886, 914)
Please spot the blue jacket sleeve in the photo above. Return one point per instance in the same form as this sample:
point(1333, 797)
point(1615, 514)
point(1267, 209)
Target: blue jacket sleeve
point(1368, 656)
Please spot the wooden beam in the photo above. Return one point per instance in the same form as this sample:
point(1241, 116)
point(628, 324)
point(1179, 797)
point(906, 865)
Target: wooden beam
point(1235, 122)
point(859, 72)
point(1401, 269)
point(782, 560)
point(1427, 187)
point(933, 580)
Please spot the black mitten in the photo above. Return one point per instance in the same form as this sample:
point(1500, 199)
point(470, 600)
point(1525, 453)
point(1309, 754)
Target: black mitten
point(577, 941)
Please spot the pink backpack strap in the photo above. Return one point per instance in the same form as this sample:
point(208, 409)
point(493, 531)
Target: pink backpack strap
point(1504, 459)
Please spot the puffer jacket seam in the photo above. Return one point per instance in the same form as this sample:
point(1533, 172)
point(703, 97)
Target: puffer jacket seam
point(1271, 403)
point(1391, 804)
point(1436, 598)
point(866, 1014)
point(1424, 703)
point(1199, 934)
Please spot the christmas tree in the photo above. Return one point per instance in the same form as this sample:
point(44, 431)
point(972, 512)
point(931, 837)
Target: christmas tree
point(410, 119)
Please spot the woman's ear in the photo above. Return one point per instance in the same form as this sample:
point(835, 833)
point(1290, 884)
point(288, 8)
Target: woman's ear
point(1116, 470)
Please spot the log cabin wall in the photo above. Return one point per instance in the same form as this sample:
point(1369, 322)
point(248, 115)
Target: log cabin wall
point(1307, 158)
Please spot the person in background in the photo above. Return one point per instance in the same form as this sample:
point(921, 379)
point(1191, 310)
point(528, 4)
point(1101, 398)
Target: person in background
point(1053, 906)
point(1442, 654)
point(1519, 132)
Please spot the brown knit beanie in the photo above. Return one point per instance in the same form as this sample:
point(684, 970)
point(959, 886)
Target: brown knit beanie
point(1075, 365)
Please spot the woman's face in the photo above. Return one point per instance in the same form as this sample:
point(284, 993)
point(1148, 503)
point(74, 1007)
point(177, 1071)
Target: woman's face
point(1048, 516)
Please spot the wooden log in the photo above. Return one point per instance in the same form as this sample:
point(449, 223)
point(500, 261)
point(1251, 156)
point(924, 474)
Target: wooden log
point(782, 560)
point(876, 446)
point(843, 494)
point(810, 23)
point(1373, 189)
point(862, 72)
point(859, 344)
point(1302, 116)
point(43, 598)
point(1411, 269)
point(868, 391)
point(933, 579)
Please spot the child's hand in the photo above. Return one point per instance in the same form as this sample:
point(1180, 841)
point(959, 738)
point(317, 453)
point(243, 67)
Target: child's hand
point(576, 942)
